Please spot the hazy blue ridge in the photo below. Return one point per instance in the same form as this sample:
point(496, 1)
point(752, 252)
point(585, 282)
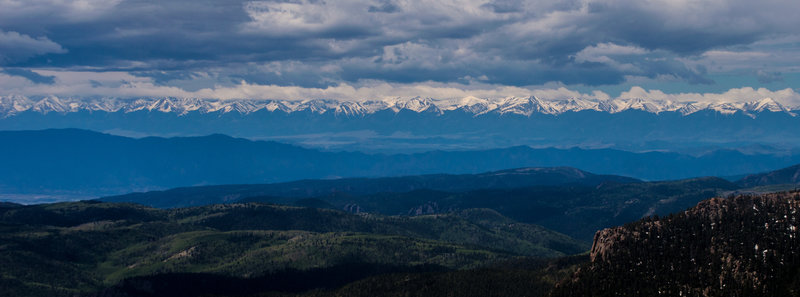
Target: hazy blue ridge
point(80, 161)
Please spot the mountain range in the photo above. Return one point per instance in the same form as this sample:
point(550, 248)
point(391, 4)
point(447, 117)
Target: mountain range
point(567, 200)
point(12, 105)
point(88, 164)
point(404, 125)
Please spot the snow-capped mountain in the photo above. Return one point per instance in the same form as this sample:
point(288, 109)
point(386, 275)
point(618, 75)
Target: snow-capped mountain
point(527, 106)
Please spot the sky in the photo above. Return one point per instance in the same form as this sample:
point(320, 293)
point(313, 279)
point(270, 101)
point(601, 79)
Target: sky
point(735, 50)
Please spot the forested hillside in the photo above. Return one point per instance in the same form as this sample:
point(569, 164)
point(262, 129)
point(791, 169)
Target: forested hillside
point(567, 200)
point(739, 246)
point(83, 247)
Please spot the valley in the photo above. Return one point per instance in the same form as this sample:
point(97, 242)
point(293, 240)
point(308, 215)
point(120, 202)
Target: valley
point(92, 164)
point(399, 148)
point(527, 231)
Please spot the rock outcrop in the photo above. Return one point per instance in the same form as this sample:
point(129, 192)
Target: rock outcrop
point(745, 245)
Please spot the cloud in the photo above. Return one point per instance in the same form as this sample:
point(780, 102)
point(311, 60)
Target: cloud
point(769, 55)
point(30, 75)
point(122, 84)
point(16, 47)
point(510, 42)
point(42, 12)
point(591, 53)
point(746, 94)
point(386, 6)
point(605, 53)
point(307, 18)
point(768, 77)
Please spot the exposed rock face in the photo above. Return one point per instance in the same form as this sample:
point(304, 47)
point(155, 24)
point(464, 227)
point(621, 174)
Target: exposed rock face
point(603, 244)
point(352, 208)
point(424, 209)
point(737, 246)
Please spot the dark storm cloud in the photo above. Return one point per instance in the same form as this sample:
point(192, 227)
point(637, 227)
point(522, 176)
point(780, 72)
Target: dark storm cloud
point(30, 75)
point(768, 77)
point(386, 6)
point(682, 31)
point(317, 43)
point(504, 6)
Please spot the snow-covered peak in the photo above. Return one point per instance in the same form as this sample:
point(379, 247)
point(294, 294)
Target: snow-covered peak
point(11, 105)
point(318, 106)
point(576, 105)
point(764, 104)
point(416, 104)
point(53, 104)
point(470, 104)
point(350, 109)
point(373, 106)
point(620, 105)
point(644, 105)
point(526, 106)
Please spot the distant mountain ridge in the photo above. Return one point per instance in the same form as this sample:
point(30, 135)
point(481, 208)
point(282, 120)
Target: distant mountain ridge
point(788, 175)
point(567, 200)
point(503, 179)
point(552, 198)
point(80, 161)
point(527, 106)
point(406, 125)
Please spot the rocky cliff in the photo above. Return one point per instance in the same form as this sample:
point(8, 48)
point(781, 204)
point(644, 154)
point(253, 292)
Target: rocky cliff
point(735, 246)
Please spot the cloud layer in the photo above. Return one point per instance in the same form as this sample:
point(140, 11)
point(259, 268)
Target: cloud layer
point(122, 84)
point(315, 44)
